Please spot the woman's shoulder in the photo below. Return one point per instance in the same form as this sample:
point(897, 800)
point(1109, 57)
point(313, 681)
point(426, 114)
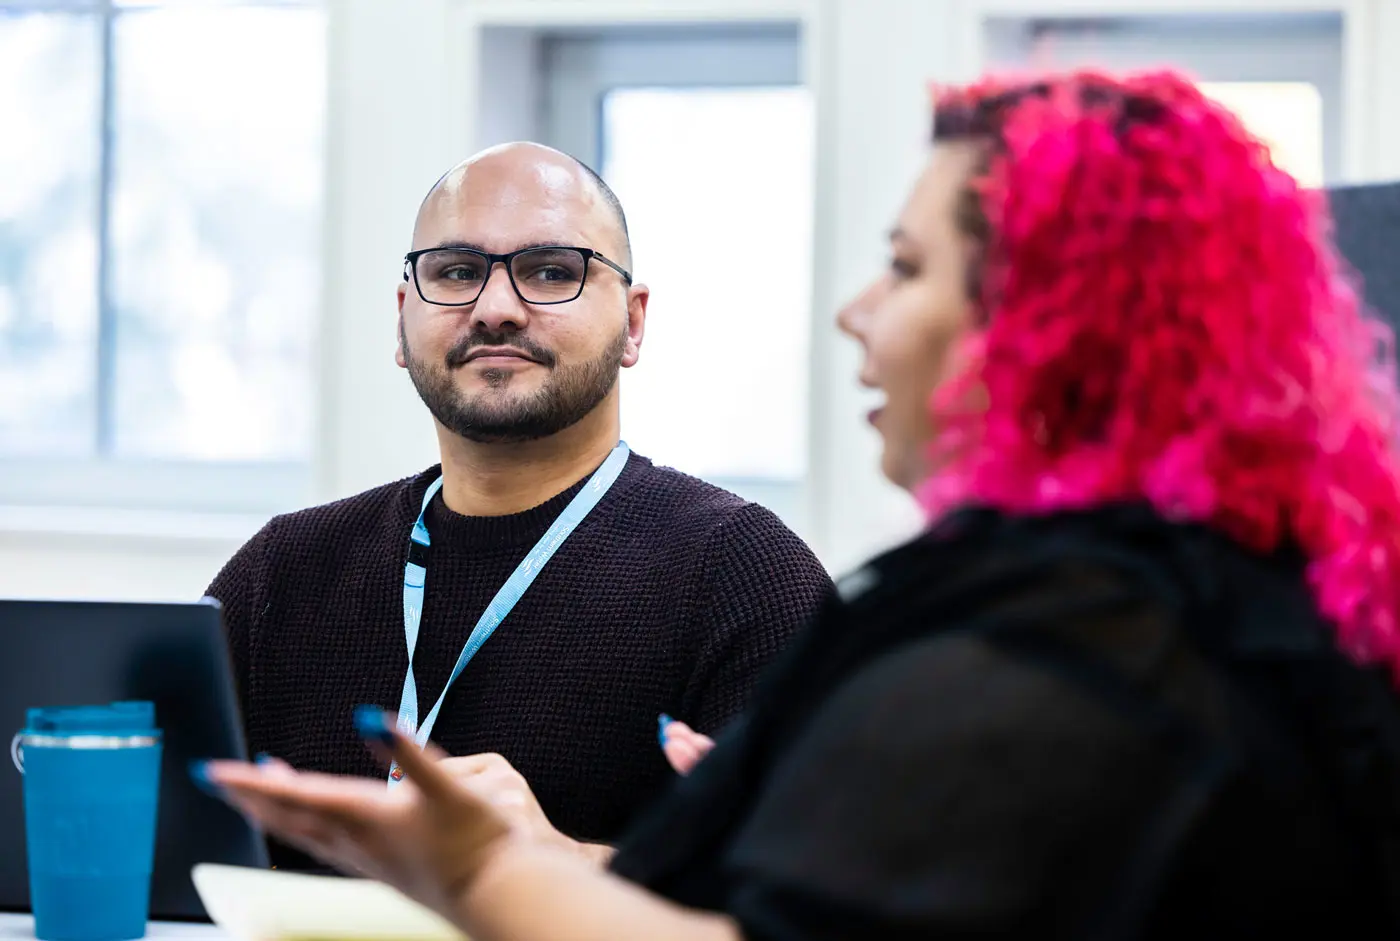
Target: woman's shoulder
point(1147, 617)
point(1026, 621)
point(1120, 627)
point(1065, 629)
point(981, 564)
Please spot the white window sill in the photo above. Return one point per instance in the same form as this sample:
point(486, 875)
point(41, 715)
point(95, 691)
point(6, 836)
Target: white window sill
point(132, 528)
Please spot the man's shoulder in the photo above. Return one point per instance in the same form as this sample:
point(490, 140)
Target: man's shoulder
point(316, 541)
point(381, 509)
point(675, 491)
point(694, 511)
point(683, 502)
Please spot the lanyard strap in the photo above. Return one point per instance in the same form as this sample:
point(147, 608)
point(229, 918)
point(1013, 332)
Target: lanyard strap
point(415, 572)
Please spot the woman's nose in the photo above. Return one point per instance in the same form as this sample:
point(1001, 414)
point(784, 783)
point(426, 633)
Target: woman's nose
point(851, 319)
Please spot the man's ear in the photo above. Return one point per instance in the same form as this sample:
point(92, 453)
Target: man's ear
point(637, 297)
point(400, 352)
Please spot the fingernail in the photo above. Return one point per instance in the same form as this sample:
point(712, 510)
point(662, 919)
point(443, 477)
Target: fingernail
point(372, 723)
point(199, 773)
point(662, 721)
point(263, 758)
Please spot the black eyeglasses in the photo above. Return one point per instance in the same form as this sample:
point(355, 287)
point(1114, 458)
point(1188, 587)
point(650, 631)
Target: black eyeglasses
point(455, 277)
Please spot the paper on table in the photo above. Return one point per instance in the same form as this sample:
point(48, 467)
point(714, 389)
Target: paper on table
point(266, 905)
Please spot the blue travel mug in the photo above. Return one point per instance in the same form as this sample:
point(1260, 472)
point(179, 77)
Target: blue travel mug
point(91, 788)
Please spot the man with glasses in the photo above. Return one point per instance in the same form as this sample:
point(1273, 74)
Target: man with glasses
point(534, 603)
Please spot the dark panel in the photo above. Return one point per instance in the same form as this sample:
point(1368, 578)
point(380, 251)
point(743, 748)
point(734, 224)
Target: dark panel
point(1368, 236)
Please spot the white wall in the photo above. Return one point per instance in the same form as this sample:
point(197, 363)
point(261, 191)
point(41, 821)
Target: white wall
point(401, 71)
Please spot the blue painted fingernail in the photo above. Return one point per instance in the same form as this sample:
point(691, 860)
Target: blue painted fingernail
point(662, 721)
point(372, 724)
point(199, 773)
point(263, 758)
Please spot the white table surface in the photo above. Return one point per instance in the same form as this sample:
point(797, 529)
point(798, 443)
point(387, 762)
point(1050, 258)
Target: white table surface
point(22, 926)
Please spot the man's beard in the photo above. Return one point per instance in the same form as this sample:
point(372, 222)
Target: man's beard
point(568, 395)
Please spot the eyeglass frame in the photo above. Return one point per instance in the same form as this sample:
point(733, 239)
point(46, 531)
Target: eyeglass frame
point(410, 262)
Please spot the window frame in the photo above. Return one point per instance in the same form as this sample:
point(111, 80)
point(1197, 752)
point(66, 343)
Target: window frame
point(1312, 43)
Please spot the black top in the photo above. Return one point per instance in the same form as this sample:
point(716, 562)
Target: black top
point(1091, 725)
point(669, 597)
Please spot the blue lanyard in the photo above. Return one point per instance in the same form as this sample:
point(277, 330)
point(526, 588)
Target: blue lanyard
point(414, 578)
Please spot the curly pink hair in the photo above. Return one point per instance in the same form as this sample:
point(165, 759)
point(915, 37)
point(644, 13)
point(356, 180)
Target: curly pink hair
point(1167, 321)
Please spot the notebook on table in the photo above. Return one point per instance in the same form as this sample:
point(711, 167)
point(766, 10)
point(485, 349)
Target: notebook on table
point(270, 905)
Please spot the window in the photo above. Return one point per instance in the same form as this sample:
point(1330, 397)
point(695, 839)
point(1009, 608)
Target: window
point(1285, 115)
point(50, 109)
point(159, 231)
point(721, 389)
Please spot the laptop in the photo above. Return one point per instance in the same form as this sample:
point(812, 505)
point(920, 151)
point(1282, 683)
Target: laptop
point(60, 653)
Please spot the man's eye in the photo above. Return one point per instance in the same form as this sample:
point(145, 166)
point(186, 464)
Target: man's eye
point(460, 273)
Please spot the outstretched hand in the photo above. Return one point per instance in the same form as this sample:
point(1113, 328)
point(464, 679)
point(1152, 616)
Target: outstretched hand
point(428, 837)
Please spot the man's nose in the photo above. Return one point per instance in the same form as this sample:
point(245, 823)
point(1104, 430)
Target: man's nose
point(499, 305)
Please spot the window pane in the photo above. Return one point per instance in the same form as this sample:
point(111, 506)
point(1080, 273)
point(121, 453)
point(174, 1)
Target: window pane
point(215, 230)
point(49, 138)
point(1285, 115)
point(717, 184)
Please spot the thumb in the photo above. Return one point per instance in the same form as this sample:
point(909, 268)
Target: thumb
point(420, 765)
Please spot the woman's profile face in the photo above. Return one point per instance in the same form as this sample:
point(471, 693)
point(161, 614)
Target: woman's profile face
point(907, 320)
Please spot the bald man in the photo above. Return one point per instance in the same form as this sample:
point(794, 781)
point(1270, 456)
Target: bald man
point(534, 603)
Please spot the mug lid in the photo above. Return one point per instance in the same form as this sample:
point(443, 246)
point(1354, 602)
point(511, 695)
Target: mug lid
point(118, 718)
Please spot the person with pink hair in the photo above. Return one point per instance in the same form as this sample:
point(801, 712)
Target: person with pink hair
point(1134, 680)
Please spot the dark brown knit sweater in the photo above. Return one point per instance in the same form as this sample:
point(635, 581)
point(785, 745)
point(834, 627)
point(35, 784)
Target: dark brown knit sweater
point(670, 597)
